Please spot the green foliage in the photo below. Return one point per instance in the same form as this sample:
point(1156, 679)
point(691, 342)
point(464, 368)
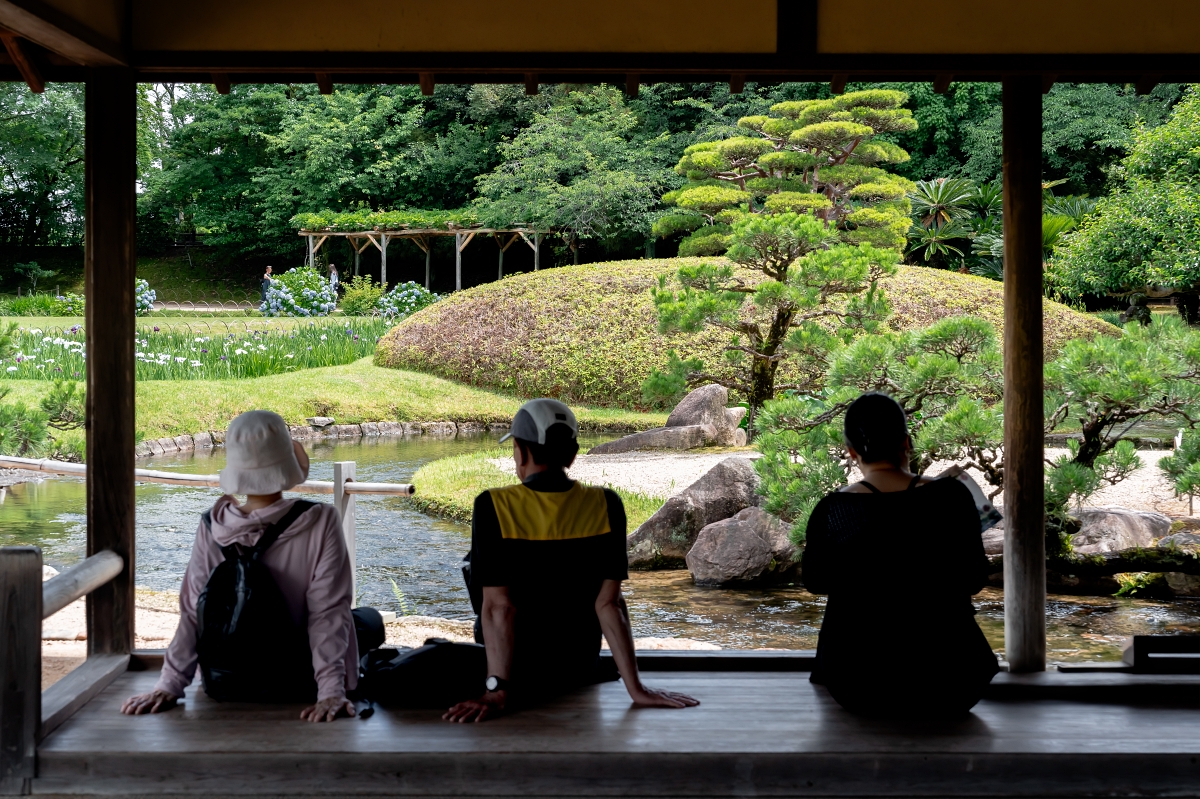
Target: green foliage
point(789, 312)
point(406, 608)
point(361, 297)
point(41, 158)
point(580, 168)
point(23, 430)
point(940, 202)
point(37, 305)
point(1144, 585)
point(33, 273)
point(664, 388)
point(367, 219)
point(65, 405)
point(404, 300)
point(820, 157)
point(1144, 235)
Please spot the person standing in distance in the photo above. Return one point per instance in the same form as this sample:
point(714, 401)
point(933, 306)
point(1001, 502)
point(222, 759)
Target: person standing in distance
point(547, 558)
point(265, 283)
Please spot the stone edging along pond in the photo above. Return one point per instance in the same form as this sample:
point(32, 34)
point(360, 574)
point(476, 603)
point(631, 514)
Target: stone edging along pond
point(216, 438)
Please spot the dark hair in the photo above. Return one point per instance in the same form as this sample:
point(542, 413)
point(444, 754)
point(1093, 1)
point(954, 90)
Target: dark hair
point(558, 451)
point(876, 428)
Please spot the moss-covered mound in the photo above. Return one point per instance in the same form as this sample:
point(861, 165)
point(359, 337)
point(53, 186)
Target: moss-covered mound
point(589, 334)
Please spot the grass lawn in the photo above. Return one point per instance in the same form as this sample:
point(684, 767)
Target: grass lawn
point(356, 392)
point(448, 487)
point(200, 322)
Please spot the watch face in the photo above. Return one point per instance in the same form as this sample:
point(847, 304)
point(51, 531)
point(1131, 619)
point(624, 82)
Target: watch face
point(492, 683)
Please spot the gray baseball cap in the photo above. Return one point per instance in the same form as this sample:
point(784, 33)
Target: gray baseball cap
point(537, 416)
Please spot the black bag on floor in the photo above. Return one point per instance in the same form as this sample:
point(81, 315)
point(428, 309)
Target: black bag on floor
point(437, 675)
point(249, 649)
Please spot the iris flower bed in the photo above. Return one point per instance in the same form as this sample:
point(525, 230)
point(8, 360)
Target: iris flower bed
point(179, 355)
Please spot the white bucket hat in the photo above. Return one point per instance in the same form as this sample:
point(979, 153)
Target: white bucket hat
point(259, 458)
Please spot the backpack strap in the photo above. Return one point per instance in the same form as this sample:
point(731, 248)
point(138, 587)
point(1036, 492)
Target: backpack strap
point(277, 529)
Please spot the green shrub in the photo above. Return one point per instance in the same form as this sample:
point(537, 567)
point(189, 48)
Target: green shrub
point(33, 305)
point(361, 297)
point(300, 292)
point(404, 300)
point(589, 334)
point(144, 297)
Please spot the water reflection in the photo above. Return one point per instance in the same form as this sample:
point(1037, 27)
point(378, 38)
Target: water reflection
point(421, 555)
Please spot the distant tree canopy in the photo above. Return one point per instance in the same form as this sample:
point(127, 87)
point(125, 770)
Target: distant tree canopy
point(41, 165)
point(1145, 236)
point(237, 167)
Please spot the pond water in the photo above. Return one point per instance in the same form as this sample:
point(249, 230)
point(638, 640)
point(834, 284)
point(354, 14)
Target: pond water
point(421, 556)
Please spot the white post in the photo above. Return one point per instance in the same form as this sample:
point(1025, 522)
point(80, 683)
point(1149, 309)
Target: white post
point(311, 262)
point(343, 472)
point(458, 261)
point(383, 242)
point(537, 250)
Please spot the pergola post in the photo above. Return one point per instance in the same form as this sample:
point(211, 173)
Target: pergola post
point(458, 261)
point(109, 274)
point(311, 254)
point(427, 248)
point(1024, 505)
point(383, 243)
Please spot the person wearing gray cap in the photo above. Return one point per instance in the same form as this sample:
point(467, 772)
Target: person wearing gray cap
point(546, 564)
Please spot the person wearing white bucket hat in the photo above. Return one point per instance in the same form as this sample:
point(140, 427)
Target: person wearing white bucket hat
point(307, 560)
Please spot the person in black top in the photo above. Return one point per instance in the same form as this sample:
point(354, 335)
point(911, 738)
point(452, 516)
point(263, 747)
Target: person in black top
point(265, 283)
point(549, 556)
point(900, 557)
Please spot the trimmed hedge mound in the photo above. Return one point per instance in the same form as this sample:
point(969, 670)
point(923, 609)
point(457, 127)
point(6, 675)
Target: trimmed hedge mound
point(589, 334)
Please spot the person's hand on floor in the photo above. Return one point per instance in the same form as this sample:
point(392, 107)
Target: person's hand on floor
point(153, 702)
point(653, 697)
point(488, 706)
point(328, 709)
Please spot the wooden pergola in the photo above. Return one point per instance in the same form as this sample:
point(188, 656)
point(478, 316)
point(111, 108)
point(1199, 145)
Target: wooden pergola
point(1028, 45)
point(380, 238)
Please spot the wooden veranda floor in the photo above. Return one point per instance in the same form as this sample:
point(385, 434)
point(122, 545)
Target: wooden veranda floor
point(756, 734)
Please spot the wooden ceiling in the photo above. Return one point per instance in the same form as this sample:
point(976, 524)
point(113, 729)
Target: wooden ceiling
point(618, 41)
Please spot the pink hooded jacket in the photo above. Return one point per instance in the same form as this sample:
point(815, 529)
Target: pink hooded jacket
point(310, 564)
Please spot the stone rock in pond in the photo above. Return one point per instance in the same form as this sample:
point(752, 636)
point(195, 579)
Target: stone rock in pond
point(185, 443)
point(347, 430)
point(471, 428)
point(155, 447)
point(993, 539)
point(706, 407)
point(659, 438)
point(1182, 584)
point(203, 440)
point(142, 450)
point(663, 540)
point(750, 546)
point(320, 422)
point(1114, 529)
point(410, 429)
point(370, 428)
point(218, 437)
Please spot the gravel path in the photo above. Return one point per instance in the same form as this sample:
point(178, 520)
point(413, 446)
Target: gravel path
point(656, 474)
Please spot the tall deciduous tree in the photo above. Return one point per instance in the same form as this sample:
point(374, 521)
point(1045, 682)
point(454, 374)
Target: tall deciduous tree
point(41, 165)
point(579, 167)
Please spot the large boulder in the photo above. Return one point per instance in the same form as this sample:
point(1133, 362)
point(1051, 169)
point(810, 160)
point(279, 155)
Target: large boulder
point(1179, 583)
point(700, 420)
point(689, 437)
point(663, 540)
point(1114, 529)
point(749, 547)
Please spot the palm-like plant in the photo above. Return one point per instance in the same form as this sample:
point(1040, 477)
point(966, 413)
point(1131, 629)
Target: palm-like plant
point(1073, 206)
point(934, 242)
point(1054, 227)
point(939, 202)
point(987, 199)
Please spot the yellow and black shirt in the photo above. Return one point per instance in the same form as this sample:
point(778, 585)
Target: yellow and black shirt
point(551, 541)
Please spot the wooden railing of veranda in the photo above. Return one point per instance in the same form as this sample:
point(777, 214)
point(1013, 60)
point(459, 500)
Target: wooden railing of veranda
point(30, 714)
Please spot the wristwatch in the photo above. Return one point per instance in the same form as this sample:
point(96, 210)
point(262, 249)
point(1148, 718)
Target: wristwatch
point(494, 683)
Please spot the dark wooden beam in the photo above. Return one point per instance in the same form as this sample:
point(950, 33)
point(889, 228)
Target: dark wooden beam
point(1024, 468)
point(109, 273)
point(221, 82)
point(23, 61)
point(837, 84)
point(633, 83)
point(1145, 85)
point(324, 83)
point(737, 83)
point(60, 33)
point(531, 83)
point(426, 81)
point(941, 82)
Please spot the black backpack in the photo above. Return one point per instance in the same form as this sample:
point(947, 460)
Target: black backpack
point(249, 649)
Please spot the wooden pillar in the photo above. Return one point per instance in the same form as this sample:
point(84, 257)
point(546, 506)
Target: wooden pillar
point(500, 267)
point(537, 250)
point(20, 666)
point(1024, 505)
point(458, 248)
point(428, 246)
point(383, 243)
point(311, 254)
point(109, 274)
